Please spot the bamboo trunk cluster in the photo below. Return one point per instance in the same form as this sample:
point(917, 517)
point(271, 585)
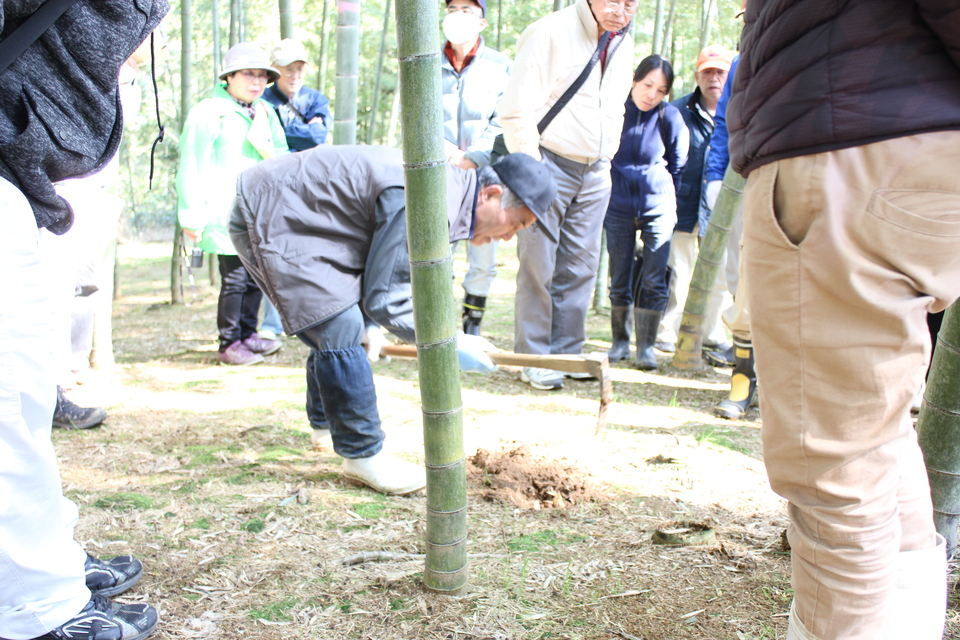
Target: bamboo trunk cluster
point(431, 270)
point(938, 429)
point(690, 340)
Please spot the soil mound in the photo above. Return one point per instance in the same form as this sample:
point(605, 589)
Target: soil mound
point(527, 480)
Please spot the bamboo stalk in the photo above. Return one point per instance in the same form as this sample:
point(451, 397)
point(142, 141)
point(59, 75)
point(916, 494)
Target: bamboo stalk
point(348, 72)
point(938, 429)
point(431, 271)
point(690, 339)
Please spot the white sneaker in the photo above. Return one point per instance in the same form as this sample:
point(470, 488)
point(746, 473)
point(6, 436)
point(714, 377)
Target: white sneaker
point(320, 439)
point(546, 379)
point(386, 474)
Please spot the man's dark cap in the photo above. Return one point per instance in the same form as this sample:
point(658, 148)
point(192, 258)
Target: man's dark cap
point(530, 180)
point(482, 3)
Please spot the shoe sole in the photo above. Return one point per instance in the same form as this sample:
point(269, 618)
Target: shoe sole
point(579, 376)
point(542, 387)
point(119, 588)
point(354, 480)
point(73, 426)
point(257, 360)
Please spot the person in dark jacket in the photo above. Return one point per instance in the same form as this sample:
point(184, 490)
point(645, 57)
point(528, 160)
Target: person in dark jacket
point(646, 172)
point(698, 109)
point(323, 232)
point(59, 118)
point(846, 119)
point(303, 112)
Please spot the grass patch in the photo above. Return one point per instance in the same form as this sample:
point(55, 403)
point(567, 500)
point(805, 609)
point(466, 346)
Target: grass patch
point(254, 526)
point(720, 438)
point(275, 611)
point(204, 454)
point(124, 502)
point(369, 510)
point(279, 453)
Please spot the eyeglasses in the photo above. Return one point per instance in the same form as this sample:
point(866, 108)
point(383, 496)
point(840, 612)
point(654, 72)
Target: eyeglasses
point(291, 72)
point(629, 7)
point(469, 10)
point(253, 76)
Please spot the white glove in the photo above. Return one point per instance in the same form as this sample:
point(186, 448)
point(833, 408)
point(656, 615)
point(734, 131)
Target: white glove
point(472, 351)
point(374, 340)
point(713, 192)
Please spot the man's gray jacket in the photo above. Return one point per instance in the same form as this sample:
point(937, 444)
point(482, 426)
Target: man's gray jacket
point(324, 229)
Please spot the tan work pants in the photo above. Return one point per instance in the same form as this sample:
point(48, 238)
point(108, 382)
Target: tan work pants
point(845, 253)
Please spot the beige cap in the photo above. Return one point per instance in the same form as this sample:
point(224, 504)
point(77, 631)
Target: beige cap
point(288, 52)
point(246, 55)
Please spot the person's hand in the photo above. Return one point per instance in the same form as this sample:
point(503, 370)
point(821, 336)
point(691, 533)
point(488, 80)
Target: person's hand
point(713, 192)
point(467, 164)
point(472, 351)
point(191, 233)
point(455, 156)
point(373, 341)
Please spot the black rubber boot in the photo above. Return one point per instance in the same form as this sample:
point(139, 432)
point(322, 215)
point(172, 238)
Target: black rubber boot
point(647, 323)
point(620, 328)
point(473, 307)
point(743, 383)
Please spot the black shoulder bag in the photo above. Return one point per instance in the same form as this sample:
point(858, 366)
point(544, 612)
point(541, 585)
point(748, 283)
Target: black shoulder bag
point(285, 100)
point(500, 147)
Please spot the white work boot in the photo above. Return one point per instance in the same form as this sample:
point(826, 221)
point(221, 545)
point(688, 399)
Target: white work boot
point(386, 473)
point(919, 604)
point(795, 629)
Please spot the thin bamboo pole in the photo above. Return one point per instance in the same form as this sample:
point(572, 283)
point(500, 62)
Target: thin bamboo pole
point(938, 429)
point(690, 340)
point(431, 271)
point(215, 34)
point(322, 54)
point(348, 72)
point(286, 18)
point(657, 27)
point(375, 102)
point(186, 101)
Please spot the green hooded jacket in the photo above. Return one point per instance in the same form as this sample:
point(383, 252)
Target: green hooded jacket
point(219, 141)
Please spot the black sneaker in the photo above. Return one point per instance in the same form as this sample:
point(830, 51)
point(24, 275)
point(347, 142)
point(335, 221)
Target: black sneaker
point(112, 577)
point(103, 619)
point(69, 416)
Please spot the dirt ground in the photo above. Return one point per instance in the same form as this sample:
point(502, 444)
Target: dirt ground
point(206, 473)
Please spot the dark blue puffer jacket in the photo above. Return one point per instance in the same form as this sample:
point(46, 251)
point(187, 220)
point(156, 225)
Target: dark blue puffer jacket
point(700, 125)
point(645, 173)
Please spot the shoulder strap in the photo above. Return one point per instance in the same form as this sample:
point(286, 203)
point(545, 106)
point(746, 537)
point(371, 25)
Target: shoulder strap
point(33, 27)
point(573, 88)
point(285, 100)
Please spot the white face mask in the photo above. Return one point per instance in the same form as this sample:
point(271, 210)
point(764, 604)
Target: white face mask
point(461, 28)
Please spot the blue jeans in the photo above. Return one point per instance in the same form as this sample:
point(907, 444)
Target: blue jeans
point(656, 229)
point(271, 318)
point(340, 391)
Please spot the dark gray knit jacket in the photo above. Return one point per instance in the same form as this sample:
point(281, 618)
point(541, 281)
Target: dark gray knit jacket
point(59, 106)
point(820, 75)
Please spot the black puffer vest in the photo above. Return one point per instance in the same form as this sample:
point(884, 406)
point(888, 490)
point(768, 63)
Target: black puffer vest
point(819, 75)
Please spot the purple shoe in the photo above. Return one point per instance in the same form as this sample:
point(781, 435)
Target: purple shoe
point(260, 345)
point(238, 354)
